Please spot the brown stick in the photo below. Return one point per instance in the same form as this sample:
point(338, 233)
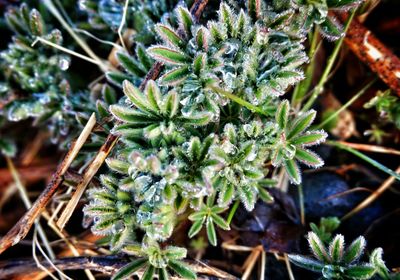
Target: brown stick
point(374, 53)
point(21, 229)
point(107, 265)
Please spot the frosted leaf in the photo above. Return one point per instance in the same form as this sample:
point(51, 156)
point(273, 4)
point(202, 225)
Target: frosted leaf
point(138, 161)
point(228, 147)
point(154, 164)
point(171, 173)
point(253, 154)
point(111, 12)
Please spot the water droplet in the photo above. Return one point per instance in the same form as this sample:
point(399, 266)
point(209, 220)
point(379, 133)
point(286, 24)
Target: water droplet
point(64, 63)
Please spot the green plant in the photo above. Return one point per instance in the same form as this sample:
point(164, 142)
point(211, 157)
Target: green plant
point(141, 16)
point(302, 15)
point(337, 262)
point(325, 228)
point(387, 106)
point(155, 261)
point(199, 137)
point(35, 84)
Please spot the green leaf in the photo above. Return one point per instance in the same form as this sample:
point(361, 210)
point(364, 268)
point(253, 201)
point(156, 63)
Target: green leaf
point(247, 196)
point(108, 94)
point(195, 228)
point(136, 96)
point(167, 55)
point(7, 147)
point(331, 29)
point(171, 103)
point(153, 94)
point(101, 210)
point(317, 247)
point(282, 114)
point(199, 63)
point(202, 38)
point(129, 115)
point(309, 158)
point(218, 209)
point(195, 148)
point(254, 8)
point(197, 119)
point(144, 59)
point(306, 263)
point(37, 24)
point(128, 270)
point(199, 215)
point(118, 165)
point(149, 273)
point(301, 123)
point(336, 248)
point(134, 249)
point(175, 253)
point(355, 250)
point(185, 19)
point(293, 171)
point(104, 225)
point(116, 78)
point(380, 266)
point(265, 195)
point(359, 272)
point(175, 76)
point(311, 138)
point(211, 234)
point(163, 274)
point(130, 64)
point(182, 269)
point(226, 194)
point(219, 221)
point(226, 17)
point(169, 35)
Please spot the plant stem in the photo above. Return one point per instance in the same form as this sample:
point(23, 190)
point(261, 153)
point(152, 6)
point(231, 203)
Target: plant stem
point(302, 87)
point(345, 106)
point(331, 60)
point(365, 158)
point(301, 202)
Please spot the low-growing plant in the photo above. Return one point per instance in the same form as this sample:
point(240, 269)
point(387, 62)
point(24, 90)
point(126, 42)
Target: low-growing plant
point(337, 261)
point(198, 138)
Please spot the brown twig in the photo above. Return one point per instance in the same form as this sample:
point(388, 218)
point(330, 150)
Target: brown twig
point(107, 265)
point(366, 46)
point(21, 229)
